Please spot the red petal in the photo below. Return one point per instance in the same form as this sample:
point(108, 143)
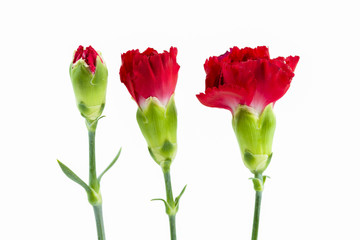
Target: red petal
point(126, 71)
point(255, 79)
point(245, 54)
point(273, 78)
point(292, 62)
point(89, 55)
point(150, 74)
point(145, 81)
point(78, 53)
point(213, 65)
point(150, 52)
point(90, 58)
point(226, 96)
point(212, 68)
point(242, 75)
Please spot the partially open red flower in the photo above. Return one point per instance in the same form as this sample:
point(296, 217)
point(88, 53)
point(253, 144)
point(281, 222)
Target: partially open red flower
point(89, 55)
point(248, 77)
point(150, 74)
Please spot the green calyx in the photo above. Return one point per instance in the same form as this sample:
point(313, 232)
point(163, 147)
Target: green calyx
point(158, 124)
point(89, 88)
point(255, 136)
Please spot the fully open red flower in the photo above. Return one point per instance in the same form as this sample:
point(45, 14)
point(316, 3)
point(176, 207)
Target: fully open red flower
point(150, 74)
point(89, 55)
point(248, 77)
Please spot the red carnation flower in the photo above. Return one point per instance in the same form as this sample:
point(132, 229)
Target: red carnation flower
point(248, 77)
point(89, 55)
point(150, 74)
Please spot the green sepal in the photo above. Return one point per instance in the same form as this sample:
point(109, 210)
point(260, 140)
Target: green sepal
point(255, 136)
point(110, 165)
point(92, 124)
point(267, 127)
point(158, 124)
point(89, 88)
point(256, 163)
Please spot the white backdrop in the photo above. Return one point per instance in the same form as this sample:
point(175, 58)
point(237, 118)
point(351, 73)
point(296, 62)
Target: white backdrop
point(313, 192)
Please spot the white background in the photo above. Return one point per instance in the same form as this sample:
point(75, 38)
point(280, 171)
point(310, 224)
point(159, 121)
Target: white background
point(313, 192)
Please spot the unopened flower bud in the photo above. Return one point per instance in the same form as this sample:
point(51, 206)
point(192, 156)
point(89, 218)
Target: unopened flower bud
point(88, 75)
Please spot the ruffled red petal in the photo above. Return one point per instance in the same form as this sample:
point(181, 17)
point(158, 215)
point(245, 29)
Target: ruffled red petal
point(245, 54)
point(150, 74)
point(90, 58)
point(212, 68)
point(126, 71)
point(89, 55)
point(78, 54)
point(150, 52)
point(225, 96)
point(262, 81)
point(213, 65)
point(241, 74)
point(273, 78)
point(292, 62)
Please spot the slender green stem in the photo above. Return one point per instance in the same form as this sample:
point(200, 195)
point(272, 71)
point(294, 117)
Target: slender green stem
point(170, 201)
point(257, 211)
point(169, 194)
point(99, 221)
point(93, 182)
point(172, 227)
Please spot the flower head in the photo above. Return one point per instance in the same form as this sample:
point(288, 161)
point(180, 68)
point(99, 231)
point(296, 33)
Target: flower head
point(246, 77)
point(151, 79)
point(88, 74)
point(248, 83)
point(150, 74)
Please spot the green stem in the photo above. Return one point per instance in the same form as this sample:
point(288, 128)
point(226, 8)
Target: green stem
point(172, 227)
point(99, 221)
point(257, 211)
point(93, 182)
point(169, 194)
point(170, 201)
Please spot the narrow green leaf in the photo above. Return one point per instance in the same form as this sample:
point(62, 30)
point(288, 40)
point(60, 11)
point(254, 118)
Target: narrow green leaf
point(158, 199)
point(264, 178)
point(110, 165)
point(177, 199)
point(70, 174)
point(167, 206)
